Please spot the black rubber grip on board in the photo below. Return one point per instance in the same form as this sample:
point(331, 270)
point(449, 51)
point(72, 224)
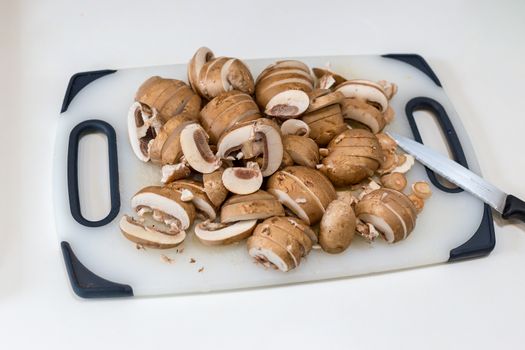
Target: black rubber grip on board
point(80, 80)
point(85, 283)
point(86, 127)
point(415, 61)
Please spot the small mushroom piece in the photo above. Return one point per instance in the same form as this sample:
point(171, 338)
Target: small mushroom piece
point(282, 89)
point(149, 235)
point(212, 234)
point(302, 150)
point(170, 97)
point(367, 231)
point(391, 212)
point(395, 181)
point(418, 202)
point(258, 205)
point(165, 148)
point(389, 88)
point(321, 98)
point(196, 150)
point(364, 113)
point(227, 110)
point(337, 227)
point(295, 127)
point(354, 155)
point(243, 180)
point(166, 203)
point(143, 127)
point(197, 196)
point(174, 172)
point(365, 90)
point(210, 76)
point(305, 191)
point(325, 124)
point(388, 144)
point(406, 163)
point(422, 189)
point(327, 78)
point(262, 132)
point(214, 188)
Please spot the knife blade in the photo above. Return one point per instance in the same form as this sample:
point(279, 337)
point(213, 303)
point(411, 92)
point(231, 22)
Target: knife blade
point(508, 205)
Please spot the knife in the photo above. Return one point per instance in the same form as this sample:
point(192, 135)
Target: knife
point(509, 206)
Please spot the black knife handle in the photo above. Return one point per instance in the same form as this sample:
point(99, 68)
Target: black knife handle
point(514, 208)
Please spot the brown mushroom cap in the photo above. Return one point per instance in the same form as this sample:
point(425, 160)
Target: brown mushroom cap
point(224, 74)
point(323, 73)
point(149, 236)
point(305, 191)
point(293, 227)
point(225, 111)
point(337, 227)
point(389, 211)
point(365, 90)
point(169, 97)
point(258, 205)
point(303, 150)
point(325, 124)
point(269, 253)
point(214, 187)
point(222, 234)
point(321, 98)
point(364, 113)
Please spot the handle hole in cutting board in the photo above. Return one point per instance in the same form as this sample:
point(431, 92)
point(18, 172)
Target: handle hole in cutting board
point(433, 137)
point(93, 176)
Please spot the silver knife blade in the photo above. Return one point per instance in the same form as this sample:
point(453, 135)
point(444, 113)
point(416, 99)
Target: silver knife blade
point(453, 172)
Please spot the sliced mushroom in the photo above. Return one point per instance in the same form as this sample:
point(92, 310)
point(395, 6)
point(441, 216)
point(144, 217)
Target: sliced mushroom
point(389, 88)
point(365, 90)
point(211, 76)
point(214, 187)
point(225, 111)
point(388, 144)
point(422, 189)
point(166, 205)
point(405, 165)
point(295, 127)
point(304, 191)
point(149, 235)
point(337, 227)
point(302, 150)
point(258, 205)
point(143, 126)
point(196, 150)
point(389, 115)
point(325, 124)
point(170, 97)
point(390, 212)
point(327, 78)
point(243, 180)
point(173, 172)
point(211, 233)
point(263, 132)
point(362, 112)
point(353, 156)
point(165, 148)
point(197, 196)
point(282, 89)
point(269, 253)
point(321, 98)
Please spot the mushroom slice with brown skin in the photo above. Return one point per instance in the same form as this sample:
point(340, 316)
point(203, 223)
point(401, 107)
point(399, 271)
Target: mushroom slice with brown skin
point(258, 205)
point(390, 212)
point(420, 192)
point(325, 124)
point(262, 132)
point(143, 127)
point(223, 74)
point(294, 228)
point(365, 90)
point(269, 253)
point(149, 235)
point(327, 78)
point(321, 98)
point(165, 204)
point(196, 150)
point(295, 127)
point(395, 181)
point(214, 188)
point(199, 59)
point(243, 180)
point(211, 233)
point(283, 238)
point(362, 112)
point(302, 150)
point(165, 148)
point(169, 97)
point(337, 227)
point(388, 144)
point(406, 162)
point(198, 196)
point(174, 172)
point(303, 190)
point(282, 89)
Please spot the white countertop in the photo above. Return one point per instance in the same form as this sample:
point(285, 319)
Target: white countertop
point(476, 49)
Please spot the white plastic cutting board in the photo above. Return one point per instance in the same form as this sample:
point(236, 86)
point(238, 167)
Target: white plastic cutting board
point(447, 221)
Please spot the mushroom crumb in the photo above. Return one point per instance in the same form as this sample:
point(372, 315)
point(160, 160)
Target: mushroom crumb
point(201, 269)
point(140, 247)
point(192, 261)
point(300, 200)
point(166, 259)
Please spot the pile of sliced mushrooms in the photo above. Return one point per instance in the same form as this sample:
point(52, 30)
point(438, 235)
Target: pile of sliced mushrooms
point(292, 161)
